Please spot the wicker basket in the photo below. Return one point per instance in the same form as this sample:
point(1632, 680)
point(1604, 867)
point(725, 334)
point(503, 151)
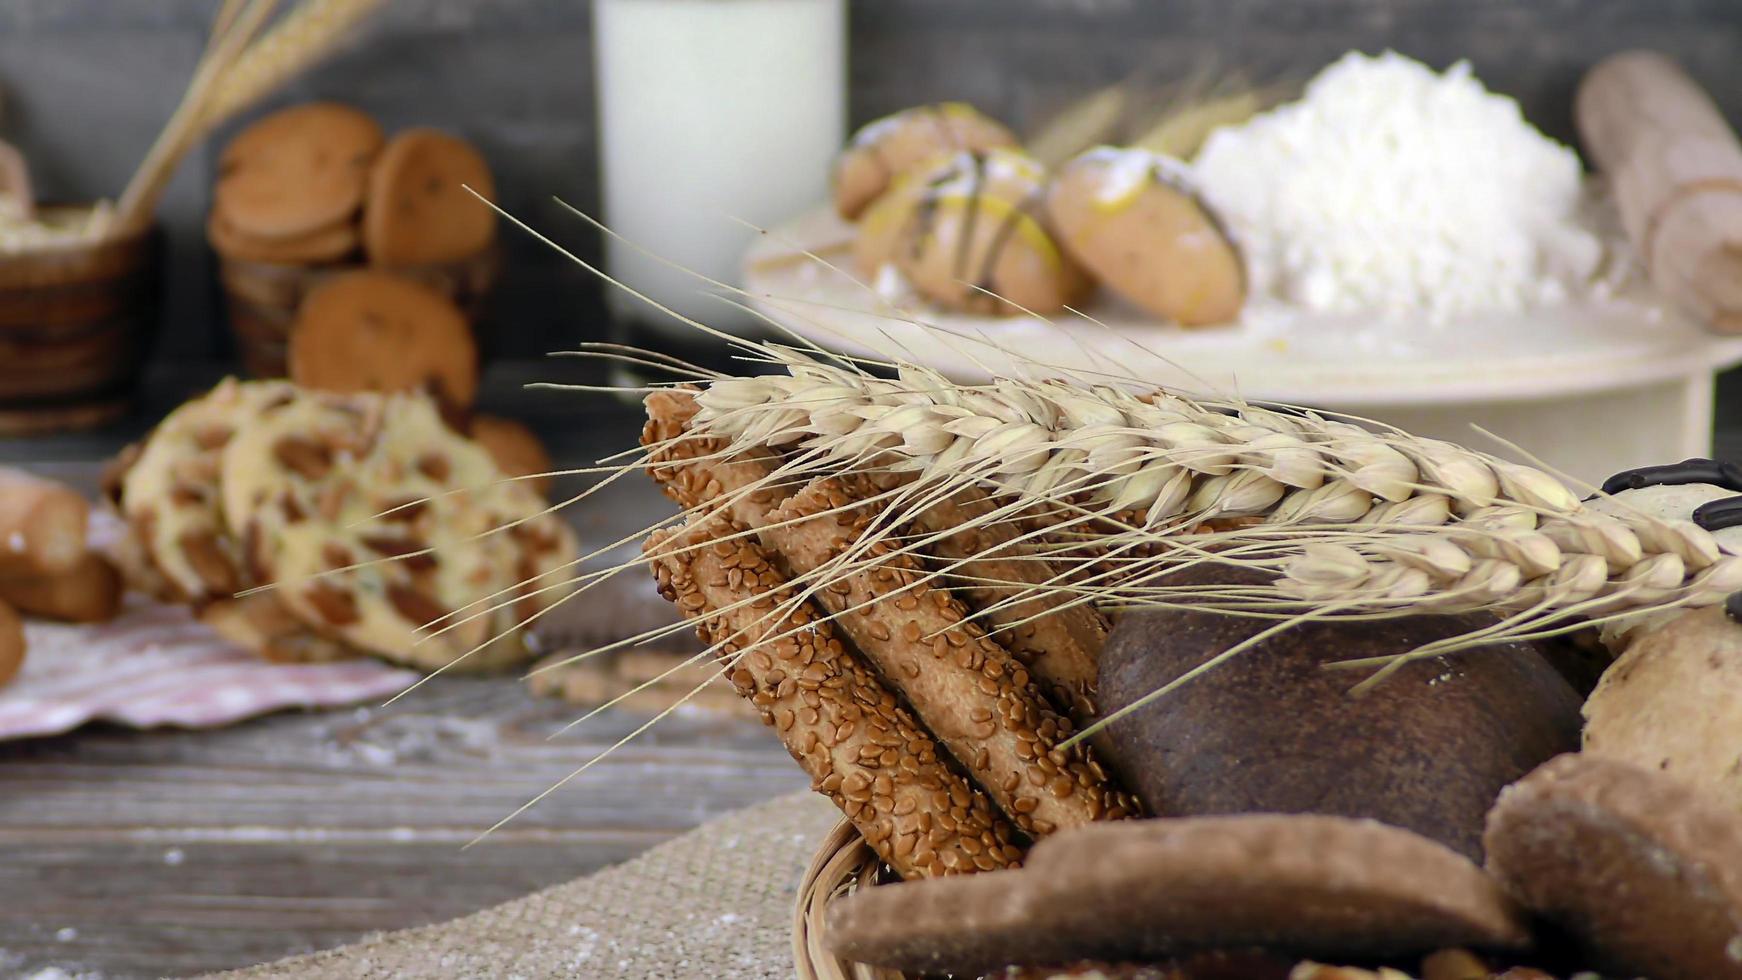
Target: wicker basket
point(262, 298)
point(843, 862)
point(75, 323)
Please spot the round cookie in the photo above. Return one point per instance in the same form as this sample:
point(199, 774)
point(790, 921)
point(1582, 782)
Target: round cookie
point(1673, 703)
point(327, 244)
point(968, 234)
point(419, 210)
point(1130, 218)
point(1644, 872)
point(296, 170)
point(170, 494)
point(886, 148)
point(374, 331)
point(186, 551)
point(1146, 889)
point(327, 485)
point(516, 450)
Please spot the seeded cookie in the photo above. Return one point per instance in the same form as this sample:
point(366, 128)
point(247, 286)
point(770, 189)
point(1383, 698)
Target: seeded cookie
point(374, 331)
point(1644, 871)
point(884, 149)
point(297, 170)
point(327, 244)
point(419, 209)
point(1144, 889)
point(333, 481)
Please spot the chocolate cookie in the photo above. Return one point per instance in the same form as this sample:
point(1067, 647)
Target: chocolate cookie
point(374, 331)
point(380, 526)
point(297, 170)
point(419, 210)
point(1645, 872)
point(1142, 890)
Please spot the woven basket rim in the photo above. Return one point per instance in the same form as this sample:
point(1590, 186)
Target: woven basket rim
point(841, 864)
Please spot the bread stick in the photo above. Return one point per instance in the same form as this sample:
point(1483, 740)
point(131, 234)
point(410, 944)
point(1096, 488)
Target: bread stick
point(843, 726)
point(970, 692)
point(42, 525)
point(1060, 646)
point(11, 643)
point(89, 593)
point(959, 695)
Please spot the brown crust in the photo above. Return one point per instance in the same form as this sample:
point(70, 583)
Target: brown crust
point(372, 331)
point(1308, 885)
point(1060, 646)
point(1645, 871)
point(973, 695)
point(848, 732)
point(419, 211)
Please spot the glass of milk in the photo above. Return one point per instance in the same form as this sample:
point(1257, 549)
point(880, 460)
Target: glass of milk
point(710, 111)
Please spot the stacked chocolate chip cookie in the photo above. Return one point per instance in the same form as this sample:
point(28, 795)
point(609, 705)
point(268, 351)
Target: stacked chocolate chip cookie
point(377, 527)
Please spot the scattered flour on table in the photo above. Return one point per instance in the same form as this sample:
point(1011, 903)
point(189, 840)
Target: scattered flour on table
point(1391, 187)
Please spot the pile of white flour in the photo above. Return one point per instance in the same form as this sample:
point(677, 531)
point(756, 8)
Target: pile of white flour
point(1394, 188)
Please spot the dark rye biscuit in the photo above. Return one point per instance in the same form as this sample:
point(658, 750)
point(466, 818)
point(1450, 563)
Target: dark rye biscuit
point(1143, 890)
point(1645, 872)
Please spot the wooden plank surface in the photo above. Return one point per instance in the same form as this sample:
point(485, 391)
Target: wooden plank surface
point(144, 854)
point(168, 853)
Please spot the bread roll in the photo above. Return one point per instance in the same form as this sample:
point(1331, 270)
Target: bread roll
point(969, 234)
point(1130, 218)
point(885, 149)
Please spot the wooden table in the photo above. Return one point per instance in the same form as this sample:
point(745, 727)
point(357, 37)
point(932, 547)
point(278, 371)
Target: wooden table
point(138, 854)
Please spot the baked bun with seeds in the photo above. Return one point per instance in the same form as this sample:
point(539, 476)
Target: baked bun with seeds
point(969, 233)
point(1644, 872)
point(325, 487)
point(1130, 217)
point(883, 150)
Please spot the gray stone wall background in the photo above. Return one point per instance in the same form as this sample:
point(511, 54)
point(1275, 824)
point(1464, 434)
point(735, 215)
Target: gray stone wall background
point(86, 84)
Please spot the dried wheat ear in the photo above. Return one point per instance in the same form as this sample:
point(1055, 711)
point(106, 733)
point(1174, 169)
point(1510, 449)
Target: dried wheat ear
point(1117, 489)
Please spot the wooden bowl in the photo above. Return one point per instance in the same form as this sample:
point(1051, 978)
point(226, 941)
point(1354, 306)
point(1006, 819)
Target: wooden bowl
point(262, 298)
point(75, 323)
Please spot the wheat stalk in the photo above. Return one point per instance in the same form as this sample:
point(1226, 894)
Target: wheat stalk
point(1372, 521)
point(302, 37)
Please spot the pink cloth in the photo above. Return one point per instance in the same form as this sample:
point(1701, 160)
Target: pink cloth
point(155, 665)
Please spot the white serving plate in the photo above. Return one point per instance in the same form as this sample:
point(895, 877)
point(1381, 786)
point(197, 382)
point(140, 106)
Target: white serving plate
point(1591, 386)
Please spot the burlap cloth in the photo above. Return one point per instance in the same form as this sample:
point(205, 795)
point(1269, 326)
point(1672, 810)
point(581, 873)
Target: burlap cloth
point(716, 902)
